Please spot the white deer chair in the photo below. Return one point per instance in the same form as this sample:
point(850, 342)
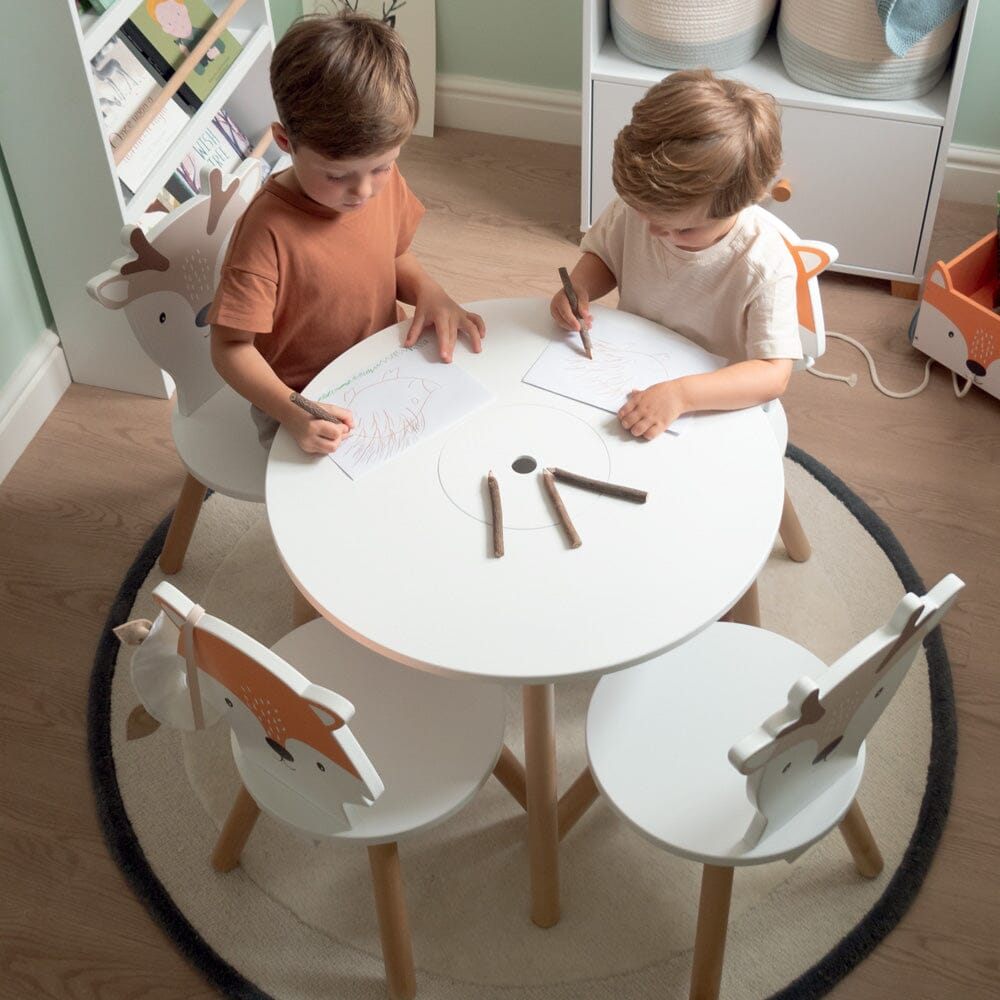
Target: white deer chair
point(689, 750)
point(811, 258)
point(418, 749)
point(166, 286)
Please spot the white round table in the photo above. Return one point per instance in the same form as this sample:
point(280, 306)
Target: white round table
point(402, 558)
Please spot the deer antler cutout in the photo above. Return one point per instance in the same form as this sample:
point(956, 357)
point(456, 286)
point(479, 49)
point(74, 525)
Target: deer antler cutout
point(148, 258)
point(219, 199)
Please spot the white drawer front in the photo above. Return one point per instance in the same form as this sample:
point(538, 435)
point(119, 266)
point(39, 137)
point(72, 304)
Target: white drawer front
point(859, 183)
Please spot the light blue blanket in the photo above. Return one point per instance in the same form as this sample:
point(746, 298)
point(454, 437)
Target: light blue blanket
point(907, 21)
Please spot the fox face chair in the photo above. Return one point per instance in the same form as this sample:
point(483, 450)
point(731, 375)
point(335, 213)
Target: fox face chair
point(417, 750)
point(703, 753)
point(811, 258)
point(166, 285)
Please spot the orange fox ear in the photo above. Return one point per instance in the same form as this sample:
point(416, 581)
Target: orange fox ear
point(811, 259)
point(940, 276)
point(329, 719)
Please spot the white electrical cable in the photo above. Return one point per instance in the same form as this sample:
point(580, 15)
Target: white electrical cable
point(852, 380)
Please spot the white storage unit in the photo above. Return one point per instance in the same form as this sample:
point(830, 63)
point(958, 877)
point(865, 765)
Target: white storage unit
point(64, 176)
point(865, 175)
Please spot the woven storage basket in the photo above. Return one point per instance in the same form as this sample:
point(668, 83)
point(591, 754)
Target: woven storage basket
point(690, 34)
point(839, 47)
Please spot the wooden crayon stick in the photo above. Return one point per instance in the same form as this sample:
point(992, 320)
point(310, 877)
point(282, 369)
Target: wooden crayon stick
point(313, 409)
point(571, 532)
point(599, 486)
point(497, 514)
point(574, 304)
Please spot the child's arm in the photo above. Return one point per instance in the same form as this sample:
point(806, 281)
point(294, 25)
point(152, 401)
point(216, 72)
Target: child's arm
point(434, 307)
point(651, 411)
point(591, 279)
point(243, 367)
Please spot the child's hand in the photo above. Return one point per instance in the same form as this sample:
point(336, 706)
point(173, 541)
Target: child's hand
point(563, 315)
point(320, 437)
point(651, 411)
point(436, 308)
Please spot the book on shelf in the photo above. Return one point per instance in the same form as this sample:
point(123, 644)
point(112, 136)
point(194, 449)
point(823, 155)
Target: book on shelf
point(223, 144)
point(125, 89)
point(164, 32)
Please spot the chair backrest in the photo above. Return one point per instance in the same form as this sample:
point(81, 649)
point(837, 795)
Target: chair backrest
point(805, 747)
point(167, 283)
point(811, 258)
point(293, 729)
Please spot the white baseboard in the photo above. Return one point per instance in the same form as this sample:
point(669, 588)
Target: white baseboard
point(503, 108)
point(29, 397)
point(972, 174)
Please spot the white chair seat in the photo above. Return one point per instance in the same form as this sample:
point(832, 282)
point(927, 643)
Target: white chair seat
point(778, 420)
point(658, 738)
point(434, 740)
point(218, 445)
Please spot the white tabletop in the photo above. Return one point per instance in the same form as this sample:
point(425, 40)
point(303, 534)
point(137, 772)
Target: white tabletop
point(402, 558)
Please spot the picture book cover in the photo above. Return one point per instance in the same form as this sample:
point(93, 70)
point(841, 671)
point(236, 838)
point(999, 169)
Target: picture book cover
point(221, 145)
point(125, 88)
point(164, 32)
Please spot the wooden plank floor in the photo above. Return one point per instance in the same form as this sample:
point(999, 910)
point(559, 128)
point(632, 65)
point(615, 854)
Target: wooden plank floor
point(502, 216)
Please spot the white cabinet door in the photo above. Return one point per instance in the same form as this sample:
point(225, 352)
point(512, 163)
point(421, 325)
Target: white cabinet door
point(612, 109)
point(859, 183)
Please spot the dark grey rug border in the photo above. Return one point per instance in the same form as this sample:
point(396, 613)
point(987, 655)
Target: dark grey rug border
point(815, 982)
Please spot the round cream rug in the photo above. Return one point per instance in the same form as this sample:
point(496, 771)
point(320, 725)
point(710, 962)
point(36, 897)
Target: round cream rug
point(296, 920)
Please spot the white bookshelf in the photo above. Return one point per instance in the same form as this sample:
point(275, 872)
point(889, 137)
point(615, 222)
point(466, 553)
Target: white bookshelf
point(65, 179)
point(865, 174)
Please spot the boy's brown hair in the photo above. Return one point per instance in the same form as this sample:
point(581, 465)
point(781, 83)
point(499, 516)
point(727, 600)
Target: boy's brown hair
point(696, 137)
point(342, 85)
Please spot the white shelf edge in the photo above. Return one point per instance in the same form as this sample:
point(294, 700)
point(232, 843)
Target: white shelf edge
point(199, 121)
point(766, 72)
point(99, 31)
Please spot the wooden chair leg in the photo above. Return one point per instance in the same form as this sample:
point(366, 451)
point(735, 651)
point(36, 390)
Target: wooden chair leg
point(393, 923)
point(860, 842)
point(302, 611)
point(790, 529)
point(182, 524)
point(235, 832)
point(710, 938)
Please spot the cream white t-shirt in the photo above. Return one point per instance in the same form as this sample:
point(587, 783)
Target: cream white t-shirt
point(736, 298)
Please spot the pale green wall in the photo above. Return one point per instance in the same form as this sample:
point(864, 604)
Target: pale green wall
point(24, 311)
point(978, 119)
point(534, 42)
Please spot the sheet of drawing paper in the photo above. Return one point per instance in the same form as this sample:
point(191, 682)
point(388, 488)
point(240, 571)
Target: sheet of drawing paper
point(634, 359)
point(399, 401)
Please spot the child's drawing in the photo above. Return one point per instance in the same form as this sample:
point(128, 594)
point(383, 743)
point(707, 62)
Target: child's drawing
point(400, 400)
point(637, 360)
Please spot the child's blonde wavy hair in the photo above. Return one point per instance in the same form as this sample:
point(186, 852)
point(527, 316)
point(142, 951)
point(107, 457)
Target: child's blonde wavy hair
point(697, 138)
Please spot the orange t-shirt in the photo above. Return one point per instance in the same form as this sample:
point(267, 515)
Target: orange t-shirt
point(311, 282)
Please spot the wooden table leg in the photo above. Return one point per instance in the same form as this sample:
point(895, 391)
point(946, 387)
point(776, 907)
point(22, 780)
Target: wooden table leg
point(543, 814)
point(576, 800)
point(509, 771)
point(746, 611)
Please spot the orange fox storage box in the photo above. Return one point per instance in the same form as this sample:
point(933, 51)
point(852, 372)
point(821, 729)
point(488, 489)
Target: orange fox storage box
point(955, 324)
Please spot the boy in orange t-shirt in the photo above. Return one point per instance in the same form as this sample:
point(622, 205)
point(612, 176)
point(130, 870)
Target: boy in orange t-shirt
point(321, 255)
